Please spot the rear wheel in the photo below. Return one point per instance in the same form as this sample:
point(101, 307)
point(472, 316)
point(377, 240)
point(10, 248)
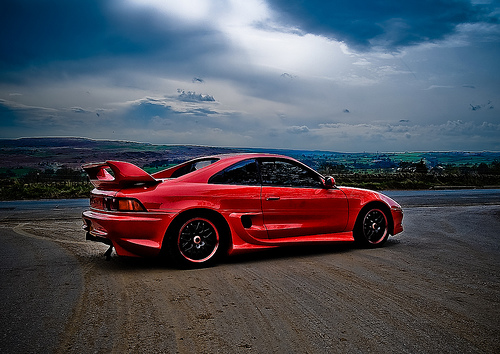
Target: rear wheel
point(195, 241)
point(372, 228)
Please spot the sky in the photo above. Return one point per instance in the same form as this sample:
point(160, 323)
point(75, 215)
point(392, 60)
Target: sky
point(347, 76)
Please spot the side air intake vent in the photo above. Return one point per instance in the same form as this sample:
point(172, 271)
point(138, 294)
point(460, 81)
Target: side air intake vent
point(246, 221)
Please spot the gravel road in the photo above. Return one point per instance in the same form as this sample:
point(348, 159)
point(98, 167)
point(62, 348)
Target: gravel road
point(433, 288)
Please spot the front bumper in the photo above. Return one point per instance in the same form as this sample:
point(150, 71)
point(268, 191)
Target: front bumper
point(397, 217)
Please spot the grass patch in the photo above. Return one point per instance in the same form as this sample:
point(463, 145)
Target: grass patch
point(17, 190)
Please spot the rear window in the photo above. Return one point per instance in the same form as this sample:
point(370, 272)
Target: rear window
point(193, 166)
point(241, 173)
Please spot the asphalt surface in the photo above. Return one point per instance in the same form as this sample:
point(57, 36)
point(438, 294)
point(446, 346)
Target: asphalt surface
point(433, 288)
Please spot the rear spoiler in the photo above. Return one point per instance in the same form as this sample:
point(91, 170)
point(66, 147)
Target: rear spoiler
point(125, 174)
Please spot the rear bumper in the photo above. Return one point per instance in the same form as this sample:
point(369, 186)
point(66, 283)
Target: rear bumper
point(132, 234)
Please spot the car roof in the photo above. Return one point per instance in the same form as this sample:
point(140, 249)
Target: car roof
point(243, 156)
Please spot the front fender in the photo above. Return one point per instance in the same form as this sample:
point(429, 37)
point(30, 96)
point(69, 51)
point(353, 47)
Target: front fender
point(359, 198)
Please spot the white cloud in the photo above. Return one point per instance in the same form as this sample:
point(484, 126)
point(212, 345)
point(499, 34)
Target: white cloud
point(298, 129)
point(433, 87)
point(191, 96)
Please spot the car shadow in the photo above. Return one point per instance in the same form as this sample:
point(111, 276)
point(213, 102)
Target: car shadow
point(289, 252)
point(120, 263)
point(286, 252)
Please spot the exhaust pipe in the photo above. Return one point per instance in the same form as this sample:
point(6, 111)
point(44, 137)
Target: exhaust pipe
point(107, 254)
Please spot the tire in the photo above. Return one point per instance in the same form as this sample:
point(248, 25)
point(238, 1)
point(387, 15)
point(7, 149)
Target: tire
point(195, 241)
point(372, 228)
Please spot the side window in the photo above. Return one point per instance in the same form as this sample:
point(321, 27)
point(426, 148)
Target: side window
point(241, 173)
point(288, 174)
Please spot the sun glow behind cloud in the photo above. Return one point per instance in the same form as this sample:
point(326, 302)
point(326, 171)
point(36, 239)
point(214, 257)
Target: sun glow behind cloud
point(187, 10)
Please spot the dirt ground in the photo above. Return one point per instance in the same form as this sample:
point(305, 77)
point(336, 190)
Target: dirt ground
point(433, 288)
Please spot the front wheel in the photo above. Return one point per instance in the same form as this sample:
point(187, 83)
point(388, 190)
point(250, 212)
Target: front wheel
point(195, 241)
point(372, 228)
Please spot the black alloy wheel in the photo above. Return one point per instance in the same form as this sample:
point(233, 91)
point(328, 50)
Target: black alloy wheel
point(372, 229)
point(198, 240)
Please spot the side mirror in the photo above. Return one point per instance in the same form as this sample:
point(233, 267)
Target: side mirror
point(329, 182)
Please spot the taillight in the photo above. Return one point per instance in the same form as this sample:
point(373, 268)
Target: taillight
point(122, 204)
point(115, 204)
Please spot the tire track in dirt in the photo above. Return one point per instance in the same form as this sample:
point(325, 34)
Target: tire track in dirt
point(100, 316)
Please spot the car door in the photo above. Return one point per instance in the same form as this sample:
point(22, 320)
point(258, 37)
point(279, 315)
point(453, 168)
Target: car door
point(238, 190)
point(295, 202)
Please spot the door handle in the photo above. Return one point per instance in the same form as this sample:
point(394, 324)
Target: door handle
point(273, 198)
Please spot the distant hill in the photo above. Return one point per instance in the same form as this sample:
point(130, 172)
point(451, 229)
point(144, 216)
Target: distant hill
point(42, 153)
point(54, 153)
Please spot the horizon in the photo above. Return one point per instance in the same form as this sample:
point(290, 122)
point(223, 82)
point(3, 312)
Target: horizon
point(250, 147)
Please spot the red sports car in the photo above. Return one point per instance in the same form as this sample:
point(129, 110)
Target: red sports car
point(197, 211)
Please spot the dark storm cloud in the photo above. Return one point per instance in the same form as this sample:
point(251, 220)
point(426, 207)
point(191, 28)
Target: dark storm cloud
point(8, 116)
point(38, 33)
point(34, 30)
point(391, 24)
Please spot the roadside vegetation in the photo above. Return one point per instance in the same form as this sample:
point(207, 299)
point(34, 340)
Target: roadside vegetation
point(411, 175)
point(63, 183)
